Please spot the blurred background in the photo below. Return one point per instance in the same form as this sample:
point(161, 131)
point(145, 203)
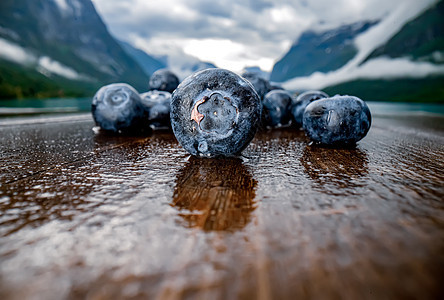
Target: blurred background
point(378, 50)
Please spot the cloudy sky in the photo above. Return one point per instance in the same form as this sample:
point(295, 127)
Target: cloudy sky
point(233, 34)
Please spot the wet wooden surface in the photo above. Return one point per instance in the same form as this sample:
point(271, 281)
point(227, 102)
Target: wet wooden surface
point(89, 216)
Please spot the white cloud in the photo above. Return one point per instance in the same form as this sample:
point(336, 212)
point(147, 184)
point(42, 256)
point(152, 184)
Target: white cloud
point(63, 6)
point(263, 29)
point(57, 68)
point(15, 53)
point(164, 26)
point(283, 14)
point(378, 68)
point(229, 54)
point(43, 64)
point(207, 49)
point(48, 66)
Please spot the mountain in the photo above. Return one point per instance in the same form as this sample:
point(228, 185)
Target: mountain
point(319, 52)
point(183, 64)
point(148, 63)
point(57, 48)
point(422, 39)
point(180, 63)
point(401, 58)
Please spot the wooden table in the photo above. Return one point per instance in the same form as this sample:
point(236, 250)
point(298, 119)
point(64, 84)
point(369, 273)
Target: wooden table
point(91, 216)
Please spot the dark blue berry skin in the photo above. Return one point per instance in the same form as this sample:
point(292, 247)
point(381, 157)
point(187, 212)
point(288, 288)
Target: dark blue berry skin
point(274, 86)
point(157, 106)
point(301, 103)
point(337, 121)
point(163, 80)
point(214, 113)
point(261, 85)
point(117, 108)
point(276, 108)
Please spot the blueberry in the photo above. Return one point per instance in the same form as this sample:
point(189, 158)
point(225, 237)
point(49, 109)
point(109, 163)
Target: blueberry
point(215, 112)
point(276, 108)
point(275, 86)
point(261, 85)
point(337, 121)
point(163, 80)
point(157, 105)
point(117, 107)
point(151, 98)
point(301, 103)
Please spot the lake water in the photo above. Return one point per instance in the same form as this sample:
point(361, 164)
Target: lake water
point(12, 108)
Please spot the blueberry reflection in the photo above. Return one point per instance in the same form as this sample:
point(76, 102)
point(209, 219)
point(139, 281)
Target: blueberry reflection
point(340, 168)
point(214, 194)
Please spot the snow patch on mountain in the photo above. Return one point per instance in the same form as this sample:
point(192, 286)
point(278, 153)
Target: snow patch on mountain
point(15, 53)
point(46, 64)
point(68, 7)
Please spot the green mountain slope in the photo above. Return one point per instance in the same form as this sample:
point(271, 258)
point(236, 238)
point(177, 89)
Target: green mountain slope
point(73, 36)
point(148, 63)
point(319, 52)
point(19, 82)
point(419, 39)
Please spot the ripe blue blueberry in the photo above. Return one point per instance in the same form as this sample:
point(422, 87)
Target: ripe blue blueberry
point(337, 121)
point(117, 108)
point(163, 80)
point(276, 108)
point(261, 85)
point(157, 105)
point(301, 103)
point(215, 112)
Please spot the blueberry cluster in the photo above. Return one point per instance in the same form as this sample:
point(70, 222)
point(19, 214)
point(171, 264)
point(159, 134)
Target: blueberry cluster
point(119, 108)
point(339, 121)
point(216, 112)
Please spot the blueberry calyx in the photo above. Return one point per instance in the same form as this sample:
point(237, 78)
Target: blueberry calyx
point(215, 114)
point(119, 97)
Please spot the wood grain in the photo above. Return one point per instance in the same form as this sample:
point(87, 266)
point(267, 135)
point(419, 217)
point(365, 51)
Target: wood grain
point(87, 215)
